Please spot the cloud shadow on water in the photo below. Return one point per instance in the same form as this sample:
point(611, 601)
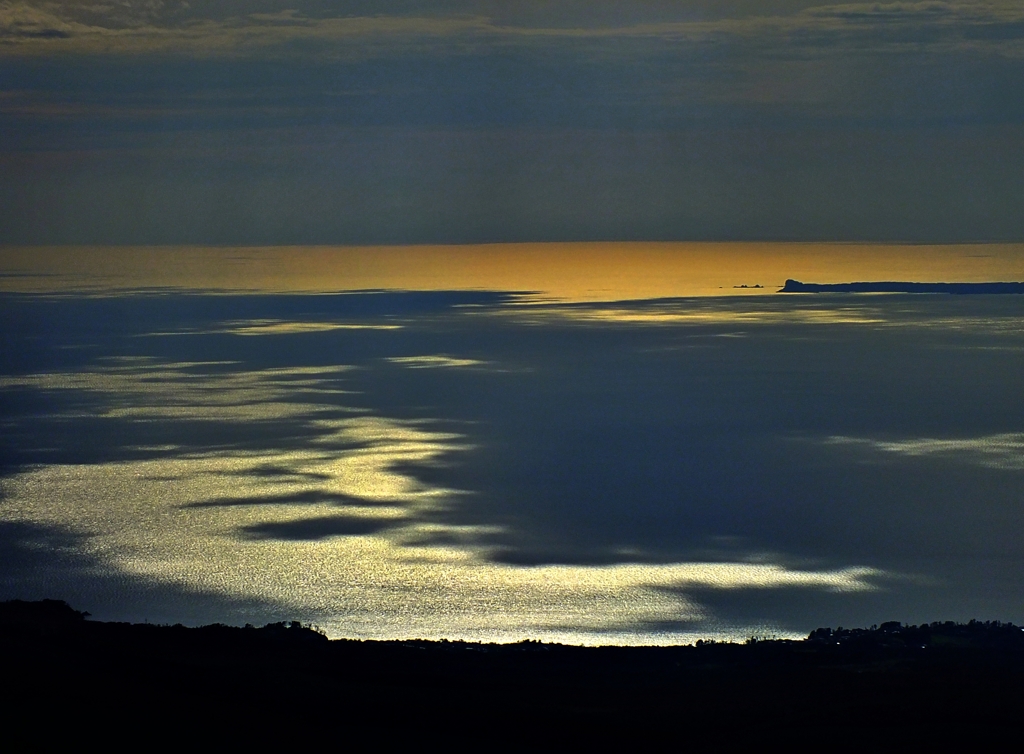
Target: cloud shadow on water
point(309, 497)
point(317, 528)
point(50, 562)
point(589, 440)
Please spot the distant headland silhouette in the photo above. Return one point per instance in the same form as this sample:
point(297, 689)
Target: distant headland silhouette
point(795, 286)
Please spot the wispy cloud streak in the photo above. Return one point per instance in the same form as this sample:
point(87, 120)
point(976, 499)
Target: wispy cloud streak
point(152, 27)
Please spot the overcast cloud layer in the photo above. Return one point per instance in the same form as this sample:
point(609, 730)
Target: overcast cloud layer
point(302, 122)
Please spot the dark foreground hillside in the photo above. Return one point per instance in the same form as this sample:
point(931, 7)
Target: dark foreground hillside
point(287, 684)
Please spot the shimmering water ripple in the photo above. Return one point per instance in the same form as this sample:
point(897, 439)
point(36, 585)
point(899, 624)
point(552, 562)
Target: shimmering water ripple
point(644, 472)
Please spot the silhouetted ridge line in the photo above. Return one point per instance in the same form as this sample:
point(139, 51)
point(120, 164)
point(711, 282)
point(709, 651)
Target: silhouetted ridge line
point(53, 617)
point(921, 682)
point(795, 286)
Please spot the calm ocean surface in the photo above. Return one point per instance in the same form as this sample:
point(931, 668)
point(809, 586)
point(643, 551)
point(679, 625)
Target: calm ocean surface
point(586, 443)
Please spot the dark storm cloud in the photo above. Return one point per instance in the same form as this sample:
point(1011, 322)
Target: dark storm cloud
point(241, 122)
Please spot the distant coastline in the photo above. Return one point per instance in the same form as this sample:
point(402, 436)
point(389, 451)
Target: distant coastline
point(795, 286)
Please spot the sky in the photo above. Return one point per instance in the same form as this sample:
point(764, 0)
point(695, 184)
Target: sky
point(324, 330)
point(308, 122)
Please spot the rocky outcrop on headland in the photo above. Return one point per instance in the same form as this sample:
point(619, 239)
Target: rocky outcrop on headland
point(795, 286)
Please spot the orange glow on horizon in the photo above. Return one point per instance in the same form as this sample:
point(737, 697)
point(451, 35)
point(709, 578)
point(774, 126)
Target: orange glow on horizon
point(584, 271)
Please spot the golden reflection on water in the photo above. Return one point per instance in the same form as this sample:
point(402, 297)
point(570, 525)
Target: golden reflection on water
point(999, 451)
point(204, 391)
point(282, 327)
point(204, 520)
point(604, 271)
point(369, 559)
point(677, 315)
point(141, 520)
point(434, 362)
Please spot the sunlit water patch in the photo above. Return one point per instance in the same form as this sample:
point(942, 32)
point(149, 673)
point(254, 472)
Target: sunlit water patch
point(280, 327)
point(333, 530)
point(213, 524)
point(144, 387)
point(1002, 451)
point(434, 362)
point(500, 466)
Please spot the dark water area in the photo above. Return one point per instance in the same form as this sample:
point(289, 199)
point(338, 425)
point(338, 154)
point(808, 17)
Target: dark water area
point(495, 465)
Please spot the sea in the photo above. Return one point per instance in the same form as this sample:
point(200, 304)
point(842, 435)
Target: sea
point(585, 443)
